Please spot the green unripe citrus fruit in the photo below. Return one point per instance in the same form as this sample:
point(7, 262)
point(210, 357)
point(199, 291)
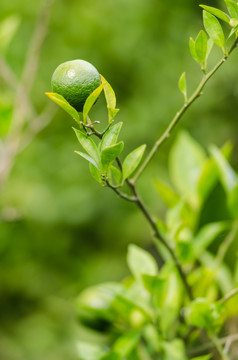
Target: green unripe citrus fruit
point(75, 80)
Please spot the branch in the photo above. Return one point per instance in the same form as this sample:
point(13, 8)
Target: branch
point(197, 93)
point(229, 295)
point(161, 238)
point(121, 194)
point(226, 243)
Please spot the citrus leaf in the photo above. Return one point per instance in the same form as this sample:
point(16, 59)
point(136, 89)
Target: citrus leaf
point(232, 7)
point(210, 44)
point(109, 94)
point(132, 161)
point(112, 114)
point(207, 235)
point(186, 161)
point(111, 135)
point(201, 47)
point(110, 100)
point(109, 154)
point(205, 314)
point(154, 284)
point(115, 174)
point(213, 29)
point(87, 157)
point(232, 32)
point(167, 194)
point(183, 86)
point(126, 343)
point(88, 144)
point(216, 12)
point(226, 173)
point(60, 100)
point(95, 173)
point(174, 350)
point(192, 49)
point(141, 262)
point(91, 99)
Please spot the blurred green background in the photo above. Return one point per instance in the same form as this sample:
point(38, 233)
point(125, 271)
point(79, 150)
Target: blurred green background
point(59, 230)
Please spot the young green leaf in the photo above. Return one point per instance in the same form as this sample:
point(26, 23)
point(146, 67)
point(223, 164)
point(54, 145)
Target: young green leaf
point(126, 343)
point(205, 314)
point(167, 194)
point(141, 262)
point(186, 161)
point(109, 93)
point(112, 114)
point(214, 29)
point(154, 284)
point(210, 44)
point(109, 154)
point(88, 158)
point(185, 251)
point(183, 86)
point(232, 7)
point(114, 174)
point(132, 161)
point(174, 350)
point(110, 100)
point(95, 173)
point(227, 175)
point(207, 235)
point(88, 144)
point(111, 135)
point(193, 49)
point(60, 100)
point(201, 47)
point(92, 98)
point(216, 12)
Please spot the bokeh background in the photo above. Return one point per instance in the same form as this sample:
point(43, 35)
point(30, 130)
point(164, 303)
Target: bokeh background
point(59, 230)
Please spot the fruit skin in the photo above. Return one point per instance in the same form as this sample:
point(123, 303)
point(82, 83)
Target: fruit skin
point(75, 80)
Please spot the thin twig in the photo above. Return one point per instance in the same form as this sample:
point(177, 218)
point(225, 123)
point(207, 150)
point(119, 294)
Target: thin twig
point(226, 243)
point(204, 347)
point(161, 238)
point(229, 295)
point(197, 93)
point(219, 347)
point(121, 194)
point(22, 104)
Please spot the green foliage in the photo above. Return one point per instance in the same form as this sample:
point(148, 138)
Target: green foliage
point(111, 135)
point(132, 161)
point(214, 29)
point(232, 8)
point(206, 315)
point(216, 12)
point(200, 49)
point(60, 100)
point(91, 100)
point(157, 295)
point(144, 316)
point(186, 162)
point(183, 86)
